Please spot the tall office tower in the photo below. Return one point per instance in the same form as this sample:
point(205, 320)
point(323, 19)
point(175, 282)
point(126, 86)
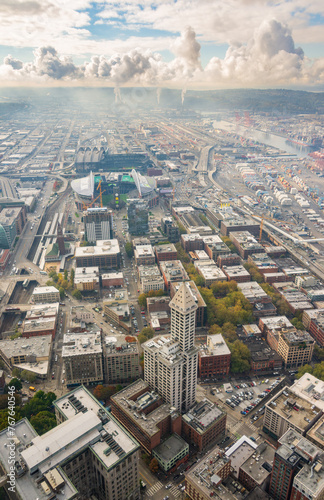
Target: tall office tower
point(137, 213)
point(170, 364)
point(98, 224)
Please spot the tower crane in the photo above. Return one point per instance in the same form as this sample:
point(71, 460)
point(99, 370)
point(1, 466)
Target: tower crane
point(101, 192)
point(268, 218)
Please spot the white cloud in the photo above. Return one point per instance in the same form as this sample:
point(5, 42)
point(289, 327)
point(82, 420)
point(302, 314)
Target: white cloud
point(270, 58)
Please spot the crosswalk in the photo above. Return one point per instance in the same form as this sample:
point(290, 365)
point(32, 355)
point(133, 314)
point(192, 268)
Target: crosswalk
point(174, 490)
point(156, 487)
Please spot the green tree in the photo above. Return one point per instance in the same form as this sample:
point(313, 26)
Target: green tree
point(182, 229)
point(304, 369)
point(43, 422)
point(66, 274)
point(148, 332)
point(228, 242)
point(129, 249)
point(240, 357)
point(154, 465)
point(297, 324)
point(182, 254)
point(41, 401)
point(254, 271)
point(16, 383)
point(318, 352)
point(142, 300)
point(15, 372)
point(77, 294)
point(72, 274)
point(62, 292)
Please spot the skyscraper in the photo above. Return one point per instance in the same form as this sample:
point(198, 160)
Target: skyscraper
point(170, 363)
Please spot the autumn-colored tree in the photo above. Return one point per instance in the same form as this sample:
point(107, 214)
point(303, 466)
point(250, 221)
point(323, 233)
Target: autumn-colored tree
point(154, 465)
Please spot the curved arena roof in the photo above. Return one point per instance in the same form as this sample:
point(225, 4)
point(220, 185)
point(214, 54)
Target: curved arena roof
point(84, 186)
point(144, 184)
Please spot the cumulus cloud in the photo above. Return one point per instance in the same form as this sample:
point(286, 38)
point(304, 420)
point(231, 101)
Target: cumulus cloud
point(269, 58)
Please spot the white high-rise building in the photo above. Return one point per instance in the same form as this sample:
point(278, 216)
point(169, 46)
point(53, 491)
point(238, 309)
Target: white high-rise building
point(170, 364)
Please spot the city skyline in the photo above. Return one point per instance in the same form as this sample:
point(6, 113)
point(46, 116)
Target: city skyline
point(181, 44)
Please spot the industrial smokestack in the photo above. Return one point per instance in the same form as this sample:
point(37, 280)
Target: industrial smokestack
point(158, 94)
point(183, 93)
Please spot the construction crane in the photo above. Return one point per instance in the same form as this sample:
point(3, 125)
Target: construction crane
point(100, 195)
point(268, 218)
point(90, 205)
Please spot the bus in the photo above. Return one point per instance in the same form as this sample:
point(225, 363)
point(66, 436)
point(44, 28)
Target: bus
point(43, 272)
point(25, 283)
point(31, 388)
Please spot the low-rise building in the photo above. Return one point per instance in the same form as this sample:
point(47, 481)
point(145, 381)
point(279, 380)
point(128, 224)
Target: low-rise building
point(39, 326)
point(251, 330)
point(228, 259)
point(246, 244)
point(260, 300)
point(80, 316)
point(264, 360)
point(211, 273)
point(214, 358)
point(117, 309)
point(236, 273)
point(214, 246)
point(172, 452)
point(274, 323)
point(45, 295)
point(173, 270)
point(158, 304)
point(311, 389)
point(143, 413)
point(286, 411)
point(105, 255)
point(192, 242)
point(32, 354)
point(82, 358)
point(150, 279)
point(263, 263)
point(120, 359)
point(87, 278)
point(165, 252)
point(204, 424)
point(201, 481)
point(144, 255)
point(294, 346)
point(112, 279)
point(256, 470)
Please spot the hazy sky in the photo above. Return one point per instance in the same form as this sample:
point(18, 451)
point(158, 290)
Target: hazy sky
point(179, 43)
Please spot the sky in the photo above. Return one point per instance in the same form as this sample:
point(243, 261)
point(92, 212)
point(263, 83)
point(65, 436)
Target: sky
point(187, 44)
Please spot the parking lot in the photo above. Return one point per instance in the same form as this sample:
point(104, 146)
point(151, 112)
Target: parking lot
point(245, 396)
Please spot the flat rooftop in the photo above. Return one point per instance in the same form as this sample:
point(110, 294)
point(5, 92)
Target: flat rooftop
point(211, 272)
point(116, 344)
point(45, 289)
point(134, 407)
point(160, 249)
point(203, 416)
point(276, 322)
point(260, 464)
point(239, 452)
point(81, 345)
point(103, 247)
point(216, 346)
point(43, 310)
point(252, 290)
point(171, 447)
point(293, 408)
point(205, 474)
point(311, 389)
point(41, 325)
point(235, 271)
point(26, 485)
point(38, 346)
